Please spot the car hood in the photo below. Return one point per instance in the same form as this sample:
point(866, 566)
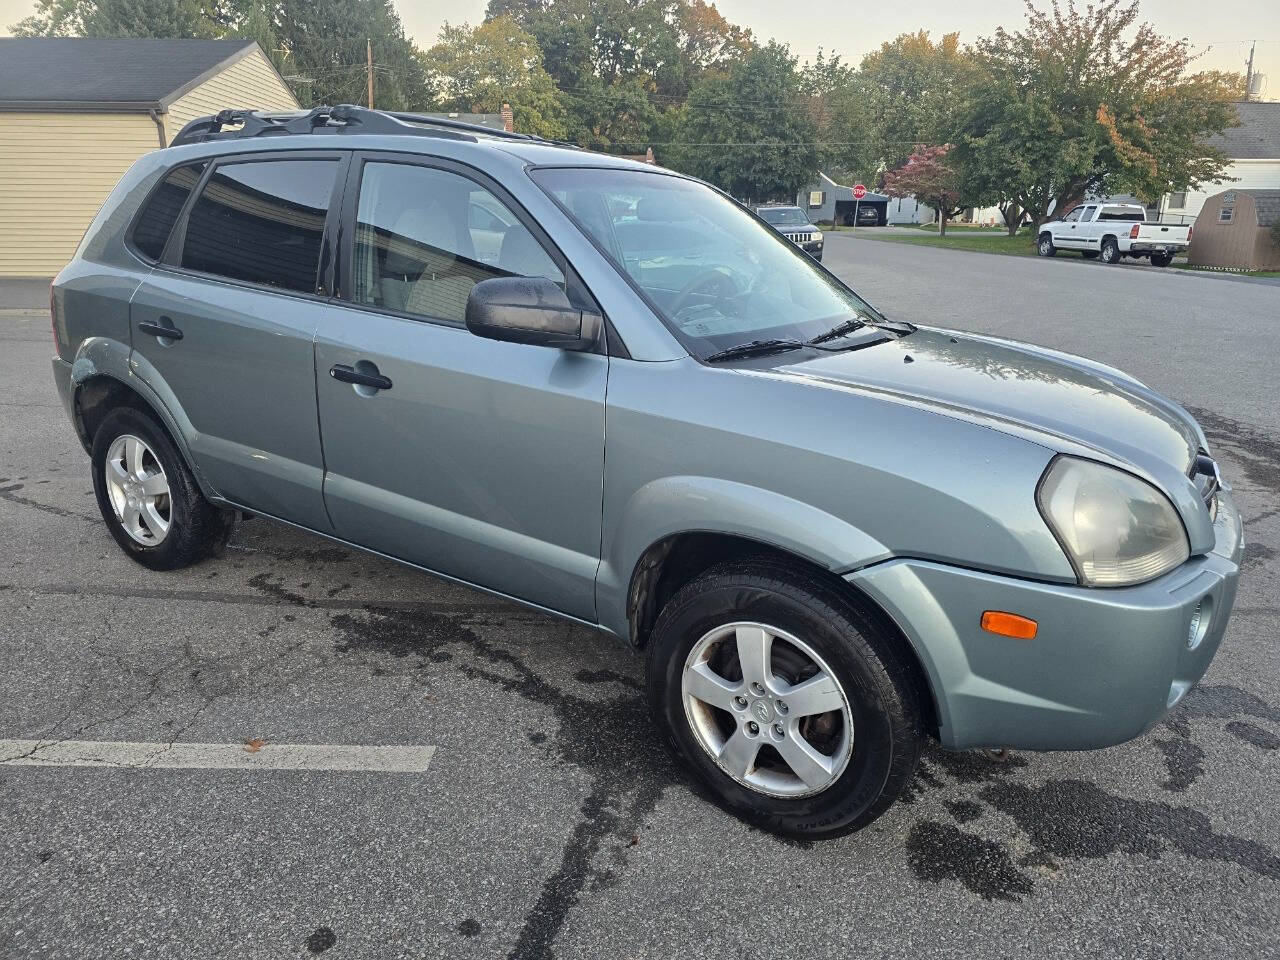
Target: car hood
point(1053, 396)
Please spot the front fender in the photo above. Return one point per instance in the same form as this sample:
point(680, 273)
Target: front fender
point(694, 504)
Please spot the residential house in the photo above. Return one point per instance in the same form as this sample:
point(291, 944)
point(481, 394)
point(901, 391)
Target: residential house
point(75, 113)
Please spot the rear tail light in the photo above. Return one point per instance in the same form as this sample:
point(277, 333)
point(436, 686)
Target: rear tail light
point(1133, 233)
point(53, 320)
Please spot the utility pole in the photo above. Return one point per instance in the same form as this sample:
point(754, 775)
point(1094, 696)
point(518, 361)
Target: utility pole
point(368, 54)
point(1248, 74)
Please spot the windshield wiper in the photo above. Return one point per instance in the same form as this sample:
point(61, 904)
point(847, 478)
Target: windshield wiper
point(846, 327)
point(754, 348)
point(842, 329)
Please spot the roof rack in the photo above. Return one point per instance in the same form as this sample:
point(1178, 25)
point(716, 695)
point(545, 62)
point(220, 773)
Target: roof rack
point(343, 119)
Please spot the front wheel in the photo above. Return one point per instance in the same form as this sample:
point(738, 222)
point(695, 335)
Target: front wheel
point(148, 497)
point(1110, 251)
point(1045, 247)
point(791, 704)
point(1161, 259)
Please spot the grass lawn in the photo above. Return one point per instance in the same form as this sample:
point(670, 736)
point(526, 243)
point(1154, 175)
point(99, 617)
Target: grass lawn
point(985, 241)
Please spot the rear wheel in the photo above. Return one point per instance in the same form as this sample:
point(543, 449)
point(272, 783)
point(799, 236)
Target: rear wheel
point(789, 702)
point(148, 497)
point(1044, 246)
point(1110, 250)
point(1161, 259)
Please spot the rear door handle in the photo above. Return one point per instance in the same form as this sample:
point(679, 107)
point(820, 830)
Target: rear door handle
point(160, 330)
point(349, 374)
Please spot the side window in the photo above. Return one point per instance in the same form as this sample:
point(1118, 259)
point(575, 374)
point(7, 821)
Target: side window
point(151, 232)
point(425, 237)
point(262, 222)
point(1073, 216)
point(1088, 214)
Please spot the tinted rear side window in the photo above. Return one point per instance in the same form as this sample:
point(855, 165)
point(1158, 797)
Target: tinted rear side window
point(156, 221)
point(261, 222)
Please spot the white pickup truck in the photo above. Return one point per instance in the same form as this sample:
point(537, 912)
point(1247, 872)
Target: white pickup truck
point(1111, 231)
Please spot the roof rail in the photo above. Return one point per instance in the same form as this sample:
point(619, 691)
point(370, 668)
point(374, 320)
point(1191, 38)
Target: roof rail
point(343, 119)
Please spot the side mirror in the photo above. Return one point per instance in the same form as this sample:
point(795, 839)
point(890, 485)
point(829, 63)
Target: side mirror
point(530, 310)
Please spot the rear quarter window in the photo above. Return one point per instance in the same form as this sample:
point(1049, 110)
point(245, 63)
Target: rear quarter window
point(155, 223)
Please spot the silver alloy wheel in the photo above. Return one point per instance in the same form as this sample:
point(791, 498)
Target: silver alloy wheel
point(1045, 246)
point(733, 719)
point(138, 490)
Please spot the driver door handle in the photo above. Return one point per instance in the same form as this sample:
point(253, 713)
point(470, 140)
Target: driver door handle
point(349, 374)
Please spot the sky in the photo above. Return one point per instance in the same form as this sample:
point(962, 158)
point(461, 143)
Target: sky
point(854, 28)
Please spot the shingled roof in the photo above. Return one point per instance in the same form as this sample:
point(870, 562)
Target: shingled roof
point(1266, 203)
point(1257, 137)
point(101, 73)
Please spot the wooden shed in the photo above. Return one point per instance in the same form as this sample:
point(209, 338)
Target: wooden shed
point(75, 113)
point(1234, 230)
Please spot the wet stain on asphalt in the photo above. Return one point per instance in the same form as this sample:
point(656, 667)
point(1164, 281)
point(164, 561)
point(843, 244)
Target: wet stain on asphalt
point(1249, 733)
point(629, 771)
point(940, 851)
point(964, 811)
point(1076, 820)
point(1184, 761)
point(1256, 555)
point(320, 940)
point(1257, 452)
point(1061, 820)
point(469, 927)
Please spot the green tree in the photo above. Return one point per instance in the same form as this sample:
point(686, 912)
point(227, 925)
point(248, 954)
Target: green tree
point(484, 67)
point(147, 18)
point(749, 130)
point(908, 92)
point(836, 99)
point(625, 67)
point(323, 42)
point(53, 18)
point(1089, 102)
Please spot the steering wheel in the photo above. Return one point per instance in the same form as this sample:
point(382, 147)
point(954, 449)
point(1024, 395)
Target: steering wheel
point(713, 281)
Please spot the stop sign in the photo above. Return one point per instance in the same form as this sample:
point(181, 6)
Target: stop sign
point(859, 191)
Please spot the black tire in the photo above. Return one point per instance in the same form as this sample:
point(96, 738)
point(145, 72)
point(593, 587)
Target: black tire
point(197, 529)
point(887, 732)
point(1161, 259)
point(1110, 252)
point(1045, 247)
point(1090, 254)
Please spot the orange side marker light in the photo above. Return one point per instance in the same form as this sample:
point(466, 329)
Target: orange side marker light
point(1009, 625)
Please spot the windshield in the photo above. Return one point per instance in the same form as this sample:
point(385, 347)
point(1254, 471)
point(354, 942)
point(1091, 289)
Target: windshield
point(716, 275)
point(783, 215)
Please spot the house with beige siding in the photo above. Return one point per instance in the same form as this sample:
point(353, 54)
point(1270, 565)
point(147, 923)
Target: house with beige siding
point(75, 113)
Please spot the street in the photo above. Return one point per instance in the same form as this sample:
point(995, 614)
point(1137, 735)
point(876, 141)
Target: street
point(549, 821)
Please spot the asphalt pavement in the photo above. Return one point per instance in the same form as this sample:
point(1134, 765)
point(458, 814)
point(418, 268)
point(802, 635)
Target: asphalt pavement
point(547, 821)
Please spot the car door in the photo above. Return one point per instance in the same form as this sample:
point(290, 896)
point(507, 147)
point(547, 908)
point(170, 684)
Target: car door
point(1087, 234)
point(223, 327)
point(478, 459)
point(1064, 232)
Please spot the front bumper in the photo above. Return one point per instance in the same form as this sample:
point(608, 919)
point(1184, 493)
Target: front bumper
point(1104, 667)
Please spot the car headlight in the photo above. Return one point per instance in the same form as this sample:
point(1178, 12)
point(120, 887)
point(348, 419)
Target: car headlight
point(1116, 529)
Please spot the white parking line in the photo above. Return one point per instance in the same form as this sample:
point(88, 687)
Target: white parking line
point(256, 755)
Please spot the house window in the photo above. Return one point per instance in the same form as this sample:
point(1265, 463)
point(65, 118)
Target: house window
point(816, 198)
point(1178, 201)
point(1226, 214)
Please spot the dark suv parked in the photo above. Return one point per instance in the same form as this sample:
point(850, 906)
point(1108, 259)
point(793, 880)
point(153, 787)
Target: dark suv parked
point(795, 226)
